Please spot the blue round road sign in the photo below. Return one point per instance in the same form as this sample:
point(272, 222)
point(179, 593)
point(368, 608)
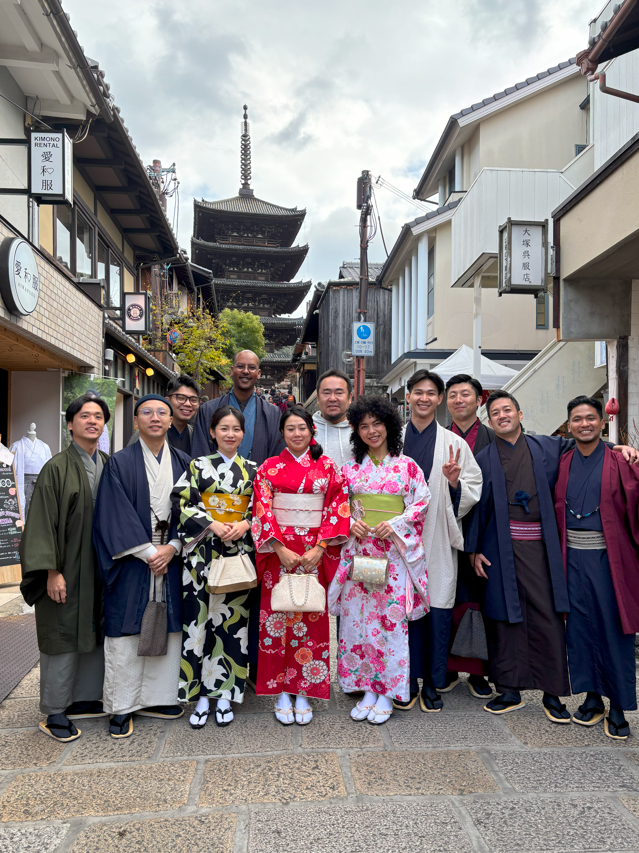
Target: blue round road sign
point(363, 332)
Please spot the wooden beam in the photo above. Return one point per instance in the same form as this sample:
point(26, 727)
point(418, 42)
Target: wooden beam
point(59, 88)
point(129, 211)
point(22, 25)
point(105, 163)
point(140, 230)
point(19, 57)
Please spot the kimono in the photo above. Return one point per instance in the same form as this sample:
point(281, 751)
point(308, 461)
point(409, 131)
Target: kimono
point(602, 491)
point(373, 630)
point(526, 593)
point(215, 638)
point(429, 637)
point(294, 648)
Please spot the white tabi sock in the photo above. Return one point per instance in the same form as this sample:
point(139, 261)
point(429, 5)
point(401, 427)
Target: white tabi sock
point(201, 708)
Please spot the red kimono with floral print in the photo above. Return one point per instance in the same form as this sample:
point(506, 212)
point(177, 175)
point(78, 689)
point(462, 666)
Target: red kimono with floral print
point(294, 648)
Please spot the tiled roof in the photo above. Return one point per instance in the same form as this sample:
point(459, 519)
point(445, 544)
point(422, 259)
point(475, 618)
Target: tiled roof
point(249, 204)
point(283, 322)
point(350, 270)
point(250, 250)
point(272, 285)
point(112, 328)
point(509, 91)
point(283, 355)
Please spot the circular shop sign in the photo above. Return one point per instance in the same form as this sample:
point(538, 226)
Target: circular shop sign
point(19, 276)
point(135, 312)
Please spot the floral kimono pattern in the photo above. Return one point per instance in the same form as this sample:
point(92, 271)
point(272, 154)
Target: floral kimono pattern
point(215, 631)
point(294, 647)
point(373, 651)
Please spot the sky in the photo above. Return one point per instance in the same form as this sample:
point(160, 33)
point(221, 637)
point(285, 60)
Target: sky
point(332, 88)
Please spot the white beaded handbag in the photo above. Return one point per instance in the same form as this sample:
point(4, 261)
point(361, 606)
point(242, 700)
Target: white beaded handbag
point(298, 594)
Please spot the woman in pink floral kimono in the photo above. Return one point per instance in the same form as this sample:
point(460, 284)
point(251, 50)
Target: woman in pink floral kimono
point(389, 499)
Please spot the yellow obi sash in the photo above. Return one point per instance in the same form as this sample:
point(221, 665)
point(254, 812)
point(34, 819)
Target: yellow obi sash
point(375, 508)
point(226, 507)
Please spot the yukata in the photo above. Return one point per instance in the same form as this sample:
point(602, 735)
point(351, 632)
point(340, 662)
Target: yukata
point(597, 510)
point(294, 648)
point(215, 638)
point(373, 649)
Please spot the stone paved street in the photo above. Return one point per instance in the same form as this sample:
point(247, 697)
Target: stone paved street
point(455, 782)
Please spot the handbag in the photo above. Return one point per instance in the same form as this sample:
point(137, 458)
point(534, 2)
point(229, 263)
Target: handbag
point(154, 637)
point(370, 570)
point(231, 574)
point(470, 640)
point(298, 594)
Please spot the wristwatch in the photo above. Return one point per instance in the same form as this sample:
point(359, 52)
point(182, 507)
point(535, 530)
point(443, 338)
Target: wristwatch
point(323, 544)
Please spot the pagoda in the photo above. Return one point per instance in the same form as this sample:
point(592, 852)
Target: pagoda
point(247, 243)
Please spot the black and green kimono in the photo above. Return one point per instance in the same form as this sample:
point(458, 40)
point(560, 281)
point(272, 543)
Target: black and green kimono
point(215, 640)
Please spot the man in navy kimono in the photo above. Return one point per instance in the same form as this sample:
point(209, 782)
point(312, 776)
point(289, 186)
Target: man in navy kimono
point(513, 540)
point(597, 510)
point(138, 554)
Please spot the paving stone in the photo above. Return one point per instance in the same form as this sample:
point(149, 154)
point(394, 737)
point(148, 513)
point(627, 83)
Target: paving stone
point(114, 790)
point(343, 701)
point(31, 839)
point(28, 749)
point(253, 704)
point(411, 828)
point(214, 833)
point(419, 730)
point(387, 774)
point(459, 699)
point(578, 825)
point(566, 771)
point(29, 687)
point(533, 728)
point(245, 734)
point(272, 779)
point(632, 804)
point(96, 746)
point(20, 713)
point(340, 732)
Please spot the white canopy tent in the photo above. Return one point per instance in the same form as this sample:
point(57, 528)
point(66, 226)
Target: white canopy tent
point(493, 374)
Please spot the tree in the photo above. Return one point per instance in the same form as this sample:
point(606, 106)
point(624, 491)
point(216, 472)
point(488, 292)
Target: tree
point(203, 347)
point(245, 331)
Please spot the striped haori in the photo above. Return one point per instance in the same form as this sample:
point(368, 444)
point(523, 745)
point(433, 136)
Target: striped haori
point(586, 540)
point(528, 531)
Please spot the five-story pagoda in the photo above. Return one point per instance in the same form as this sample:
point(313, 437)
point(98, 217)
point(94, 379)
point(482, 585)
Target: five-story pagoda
point(247, 243)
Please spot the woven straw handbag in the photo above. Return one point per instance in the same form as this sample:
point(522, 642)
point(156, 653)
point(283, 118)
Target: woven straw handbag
point(231, 574)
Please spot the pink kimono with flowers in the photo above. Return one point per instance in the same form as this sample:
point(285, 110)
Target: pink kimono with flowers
point(294, 648)
point(373, 639)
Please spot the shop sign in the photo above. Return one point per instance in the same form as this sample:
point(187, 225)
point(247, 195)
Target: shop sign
point(19, 276)
point(523, 257)
point(51, 167)
point(363, 339)
point(136, 316)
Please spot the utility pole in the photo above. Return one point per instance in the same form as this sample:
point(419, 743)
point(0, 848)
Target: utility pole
point(364, 205)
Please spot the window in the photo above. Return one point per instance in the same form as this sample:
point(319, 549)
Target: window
point(63, 232)
point(430, 303)
point(83, 248)
point(541, 310)
point(451, 181)
point(115, 282)
point(103, 260)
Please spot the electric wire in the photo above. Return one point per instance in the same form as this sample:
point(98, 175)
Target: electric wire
point(26, 112)
point(404, 196)
point(381, 231)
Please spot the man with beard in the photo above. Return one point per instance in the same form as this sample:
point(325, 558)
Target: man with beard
point(514, 544)
point(463, 398)
point(597, 510)
point(334, 396)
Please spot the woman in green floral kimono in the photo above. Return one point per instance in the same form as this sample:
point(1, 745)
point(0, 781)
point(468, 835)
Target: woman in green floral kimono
point(215, 626)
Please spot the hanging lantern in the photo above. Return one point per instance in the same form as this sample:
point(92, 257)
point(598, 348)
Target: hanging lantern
point(174, 337)
point(612, 409)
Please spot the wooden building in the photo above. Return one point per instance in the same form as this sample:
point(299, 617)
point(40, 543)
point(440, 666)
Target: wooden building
point(247, 243)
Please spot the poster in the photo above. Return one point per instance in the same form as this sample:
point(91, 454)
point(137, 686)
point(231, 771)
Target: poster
point(77, 384)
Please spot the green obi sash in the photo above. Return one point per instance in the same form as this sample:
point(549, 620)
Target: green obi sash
point(375, 508)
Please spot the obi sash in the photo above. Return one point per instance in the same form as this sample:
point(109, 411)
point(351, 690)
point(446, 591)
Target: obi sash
point(375, 508)
point(586, 540)
point(226, 508)
point(526, 531)
point(298, 510)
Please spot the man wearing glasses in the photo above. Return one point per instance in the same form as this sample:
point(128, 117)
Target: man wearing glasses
point(135, 538)
point(183, 394)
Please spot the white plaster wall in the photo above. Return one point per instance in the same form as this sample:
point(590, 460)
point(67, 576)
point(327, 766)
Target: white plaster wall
point(615, 120)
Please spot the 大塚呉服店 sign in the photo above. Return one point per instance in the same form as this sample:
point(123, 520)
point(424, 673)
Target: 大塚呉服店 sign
point(363, 339)
point(19, 276)
point(51, 169)
point(523, 257)
point(136, 315)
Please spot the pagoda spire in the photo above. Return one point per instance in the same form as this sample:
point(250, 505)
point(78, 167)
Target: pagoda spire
point(245, 155)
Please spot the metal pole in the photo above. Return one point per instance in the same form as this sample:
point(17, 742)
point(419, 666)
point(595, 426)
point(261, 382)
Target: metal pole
point(365, 207)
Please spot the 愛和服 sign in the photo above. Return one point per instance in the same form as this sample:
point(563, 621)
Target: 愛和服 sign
point(51, 166)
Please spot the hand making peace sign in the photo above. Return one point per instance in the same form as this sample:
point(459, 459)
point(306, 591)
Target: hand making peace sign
point(452, 468)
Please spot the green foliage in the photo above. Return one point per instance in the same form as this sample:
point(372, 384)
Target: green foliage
point(203, 347)
point(245, 331)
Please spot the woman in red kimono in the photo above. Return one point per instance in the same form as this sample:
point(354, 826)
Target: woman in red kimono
point(300, 518)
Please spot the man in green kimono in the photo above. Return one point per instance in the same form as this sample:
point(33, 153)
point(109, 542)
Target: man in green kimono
point(60, 577)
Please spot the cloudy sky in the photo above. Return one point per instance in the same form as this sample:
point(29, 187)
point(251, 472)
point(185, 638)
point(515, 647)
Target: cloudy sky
point(332, 88)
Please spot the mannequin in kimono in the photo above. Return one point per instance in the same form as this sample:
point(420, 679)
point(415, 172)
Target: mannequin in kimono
point(30, 455)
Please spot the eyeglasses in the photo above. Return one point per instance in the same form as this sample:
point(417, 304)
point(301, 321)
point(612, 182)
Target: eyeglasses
point(161, 413)
point(183, 398)
point(252, 368)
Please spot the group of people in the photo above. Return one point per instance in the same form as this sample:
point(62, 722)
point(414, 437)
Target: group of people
point(212, 550)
